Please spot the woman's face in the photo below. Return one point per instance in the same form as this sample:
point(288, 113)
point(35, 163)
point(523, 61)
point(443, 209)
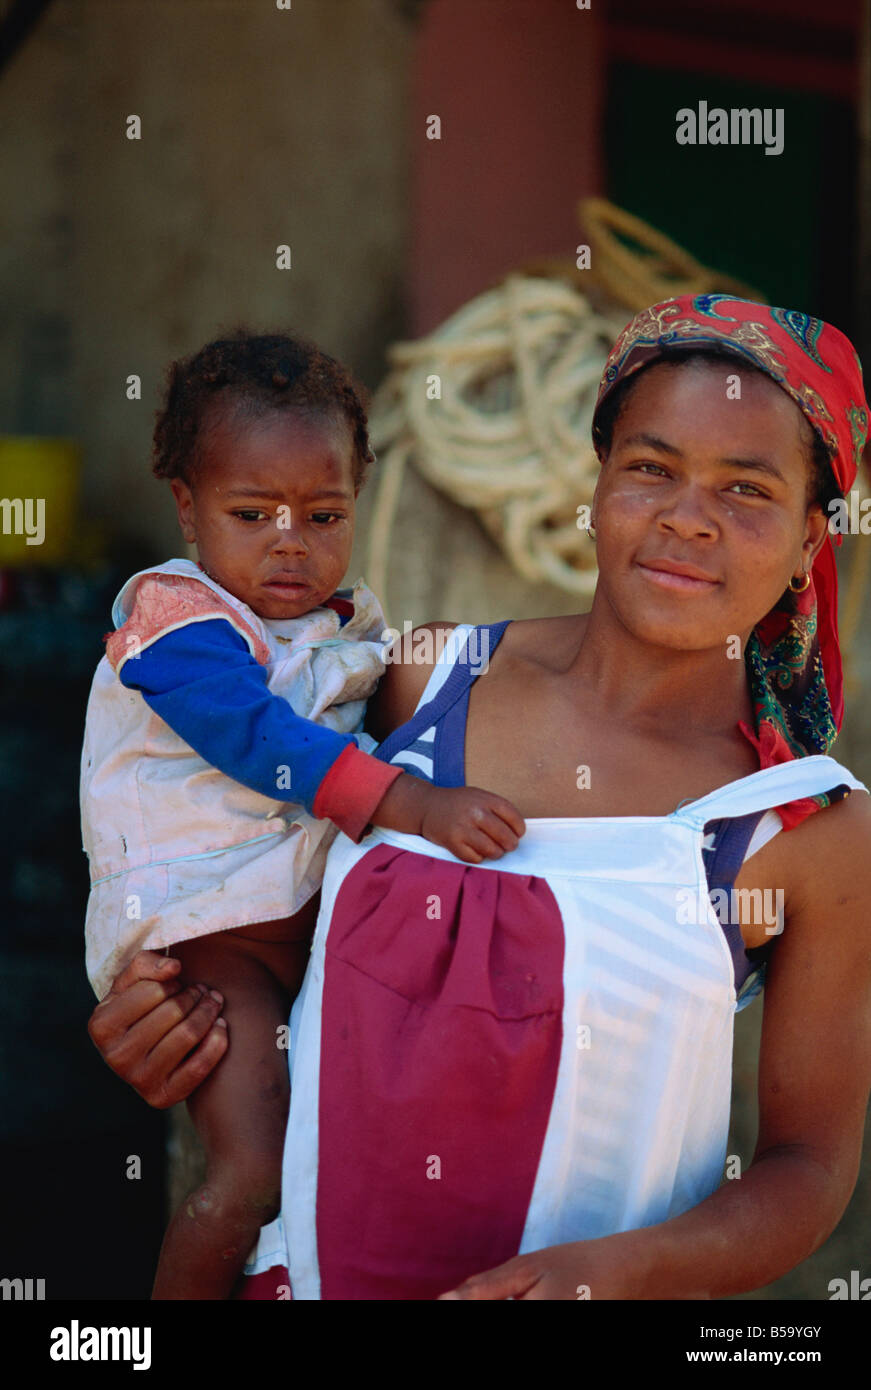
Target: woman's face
point(696, 479)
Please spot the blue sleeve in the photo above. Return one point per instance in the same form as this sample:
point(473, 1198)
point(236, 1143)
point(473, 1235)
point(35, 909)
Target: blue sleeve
point(203, 681)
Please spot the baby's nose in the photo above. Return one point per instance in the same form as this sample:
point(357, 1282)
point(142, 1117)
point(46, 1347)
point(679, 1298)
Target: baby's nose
point(287, 540)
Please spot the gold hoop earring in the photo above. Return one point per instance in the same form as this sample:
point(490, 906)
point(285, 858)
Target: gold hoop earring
point(591, 532)
point(800, 588)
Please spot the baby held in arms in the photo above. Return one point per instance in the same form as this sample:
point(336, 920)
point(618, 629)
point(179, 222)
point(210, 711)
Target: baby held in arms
point(224, 748)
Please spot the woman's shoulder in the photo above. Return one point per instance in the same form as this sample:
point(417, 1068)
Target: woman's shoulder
point(827, 852)
point(410, 660)
point(538, 639)
point(847, 818)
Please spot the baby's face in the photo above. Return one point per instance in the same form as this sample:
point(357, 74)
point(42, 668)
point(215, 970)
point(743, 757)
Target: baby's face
point(271, 508)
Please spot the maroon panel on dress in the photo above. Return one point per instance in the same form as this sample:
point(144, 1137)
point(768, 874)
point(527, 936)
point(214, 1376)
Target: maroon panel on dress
point(263, 1287)
point(441, 1035)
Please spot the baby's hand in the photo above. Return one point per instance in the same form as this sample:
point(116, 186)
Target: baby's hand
point(471, 823)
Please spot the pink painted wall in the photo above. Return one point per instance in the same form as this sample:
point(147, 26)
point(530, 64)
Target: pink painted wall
point(518, 87)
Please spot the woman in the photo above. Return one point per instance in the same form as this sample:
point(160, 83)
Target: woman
point(512, 1080)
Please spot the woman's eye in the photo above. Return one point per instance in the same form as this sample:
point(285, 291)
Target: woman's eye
point(326, 517)
point(647, 464)
point(657, 469)
point(250, 514)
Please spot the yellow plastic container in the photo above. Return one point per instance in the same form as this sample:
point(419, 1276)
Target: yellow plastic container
point(39, 493)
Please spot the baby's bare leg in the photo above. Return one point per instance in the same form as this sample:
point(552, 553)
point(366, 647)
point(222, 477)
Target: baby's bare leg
point(240, 1112)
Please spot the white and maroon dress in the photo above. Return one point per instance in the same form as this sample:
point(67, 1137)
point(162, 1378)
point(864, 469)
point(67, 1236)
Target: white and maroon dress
point(491, 1059)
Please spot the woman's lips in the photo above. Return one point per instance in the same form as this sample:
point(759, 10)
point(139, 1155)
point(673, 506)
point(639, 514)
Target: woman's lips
point(680, 583)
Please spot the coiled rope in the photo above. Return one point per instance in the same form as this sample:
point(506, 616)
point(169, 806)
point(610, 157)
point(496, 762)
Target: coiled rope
point(494, 409)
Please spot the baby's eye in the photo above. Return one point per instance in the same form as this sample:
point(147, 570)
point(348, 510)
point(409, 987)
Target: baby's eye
point(326, 518)
point(250, 514)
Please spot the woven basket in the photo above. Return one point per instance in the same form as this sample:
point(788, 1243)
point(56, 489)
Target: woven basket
point(653, 268)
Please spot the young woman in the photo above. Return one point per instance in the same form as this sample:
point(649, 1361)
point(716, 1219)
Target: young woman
point(512, 1079)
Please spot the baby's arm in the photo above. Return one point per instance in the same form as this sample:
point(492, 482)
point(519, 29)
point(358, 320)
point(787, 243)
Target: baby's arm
point(203, 681)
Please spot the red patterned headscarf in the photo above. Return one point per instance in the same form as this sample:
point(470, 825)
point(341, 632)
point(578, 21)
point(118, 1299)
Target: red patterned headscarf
point(793, 657)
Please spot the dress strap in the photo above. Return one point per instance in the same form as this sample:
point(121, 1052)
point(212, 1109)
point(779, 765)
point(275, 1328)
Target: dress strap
point(454, 648)
point(731, 838)
point(772, 786)
point(444, 702)
point(723, 864)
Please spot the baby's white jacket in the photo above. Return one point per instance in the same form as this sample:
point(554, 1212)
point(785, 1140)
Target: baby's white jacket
point(176, 848)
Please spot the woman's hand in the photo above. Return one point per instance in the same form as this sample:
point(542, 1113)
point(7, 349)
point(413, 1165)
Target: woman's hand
point(161, 1038)
point(583, 1269)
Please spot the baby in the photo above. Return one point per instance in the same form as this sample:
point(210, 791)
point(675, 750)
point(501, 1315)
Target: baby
point(223, 748)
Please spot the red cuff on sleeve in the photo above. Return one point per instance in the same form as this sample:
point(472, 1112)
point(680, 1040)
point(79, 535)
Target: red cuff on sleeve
point(352, 789)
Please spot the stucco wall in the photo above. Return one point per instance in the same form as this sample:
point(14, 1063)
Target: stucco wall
point(260, 127)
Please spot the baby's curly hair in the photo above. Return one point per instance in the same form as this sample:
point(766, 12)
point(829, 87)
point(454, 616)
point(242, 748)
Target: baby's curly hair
point(257, 372)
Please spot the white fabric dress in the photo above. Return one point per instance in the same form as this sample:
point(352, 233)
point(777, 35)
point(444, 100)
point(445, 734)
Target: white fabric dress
point(491, 1059)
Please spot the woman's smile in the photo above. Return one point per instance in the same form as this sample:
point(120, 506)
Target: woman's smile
point(669, 575)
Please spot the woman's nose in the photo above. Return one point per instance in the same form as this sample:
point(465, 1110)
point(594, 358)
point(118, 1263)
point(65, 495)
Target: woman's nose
point(689, 515)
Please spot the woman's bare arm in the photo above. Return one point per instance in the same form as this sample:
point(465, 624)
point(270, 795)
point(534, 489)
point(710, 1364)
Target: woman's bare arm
point(814, 1066)
point(814, 1082)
